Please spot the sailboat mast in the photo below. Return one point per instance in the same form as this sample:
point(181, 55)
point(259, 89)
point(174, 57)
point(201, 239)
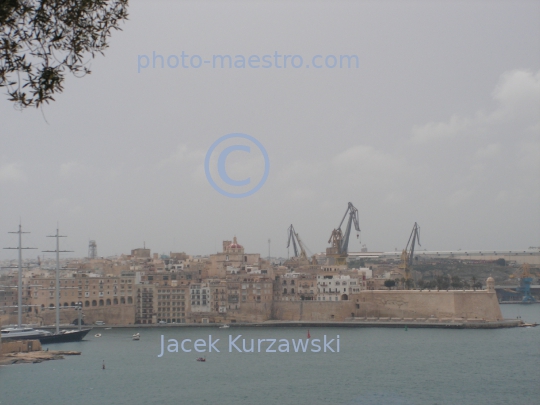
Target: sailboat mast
point(19, 289)
point(19, 283)
point(57, 288)
point(57, 304)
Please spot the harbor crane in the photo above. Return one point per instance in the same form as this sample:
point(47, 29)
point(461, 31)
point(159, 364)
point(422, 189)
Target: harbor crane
point(297, 243)
point(525, 282)
point(301, 257)
point(407, 255)
point(340, 240)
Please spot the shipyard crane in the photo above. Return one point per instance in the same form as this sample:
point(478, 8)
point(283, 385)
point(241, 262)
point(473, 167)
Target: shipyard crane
point(407, 255)
point(297, 243)
point(525, 282)
point(340, 240)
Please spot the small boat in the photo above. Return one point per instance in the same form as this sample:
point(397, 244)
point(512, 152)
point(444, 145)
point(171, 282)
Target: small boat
point(528, 325)
point(136, 336)
point(224, 326)
point(203, 359)
point(97, 335)
point(108, 328)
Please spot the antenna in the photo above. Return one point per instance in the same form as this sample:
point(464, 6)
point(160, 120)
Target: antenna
point(92, 250)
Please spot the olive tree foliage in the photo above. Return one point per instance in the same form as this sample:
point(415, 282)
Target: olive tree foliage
point(42, 40)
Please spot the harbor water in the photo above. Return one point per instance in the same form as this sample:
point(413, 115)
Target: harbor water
point(373, 366)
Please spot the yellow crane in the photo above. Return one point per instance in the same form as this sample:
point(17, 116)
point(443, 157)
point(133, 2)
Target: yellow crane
point(300, 257)
point(297, 243)
point(407, 255)
point(340, 240)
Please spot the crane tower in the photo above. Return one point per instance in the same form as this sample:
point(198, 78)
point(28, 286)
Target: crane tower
point(407, 255)
point(340, 240)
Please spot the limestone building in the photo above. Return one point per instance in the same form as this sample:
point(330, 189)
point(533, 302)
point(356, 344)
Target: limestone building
point(233, 258)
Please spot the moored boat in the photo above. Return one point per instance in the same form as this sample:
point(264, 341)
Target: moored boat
point(42, 335)
point(65, 336)
point(23, 333)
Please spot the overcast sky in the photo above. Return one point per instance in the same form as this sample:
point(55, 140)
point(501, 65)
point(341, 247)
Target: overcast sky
point(439, 124)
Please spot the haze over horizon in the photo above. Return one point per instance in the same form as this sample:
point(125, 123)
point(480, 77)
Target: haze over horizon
point(438, 125)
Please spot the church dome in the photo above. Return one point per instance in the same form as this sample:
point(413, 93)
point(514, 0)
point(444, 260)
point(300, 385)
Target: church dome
point(235, 244)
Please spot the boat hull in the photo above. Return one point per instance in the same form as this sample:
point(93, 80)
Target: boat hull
point(67, 336)
point(36, 336)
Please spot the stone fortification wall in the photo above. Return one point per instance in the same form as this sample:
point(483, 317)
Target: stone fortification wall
point(22, 346)
point(250, 312)
point(483, 306)
point(394, 304)
point(120, 315)
point(113, 315)
point(414, 304)
point(313, 310)
point(427, 304)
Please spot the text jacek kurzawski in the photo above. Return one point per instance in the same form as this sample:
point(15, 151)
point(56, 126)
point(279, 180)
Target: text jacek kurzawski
point(237, 344)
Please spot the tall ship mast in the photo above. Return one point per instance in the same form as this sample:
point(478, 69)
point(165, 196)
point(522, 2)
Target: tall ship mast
point(57, 288)
point(19, 284)
point(44, 336)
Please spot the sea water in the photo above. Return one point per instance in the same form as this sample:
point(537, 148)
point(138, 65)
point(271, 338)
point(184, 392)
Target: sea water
point(390, 366)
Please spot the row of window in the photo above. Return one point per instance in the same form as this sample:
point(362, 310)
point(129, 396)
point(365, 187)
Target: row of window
point(95, 303)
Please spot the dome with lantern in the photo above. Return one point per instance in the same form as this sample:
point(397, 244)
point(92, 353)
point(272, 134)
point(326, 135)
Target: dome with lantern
point(235, 247)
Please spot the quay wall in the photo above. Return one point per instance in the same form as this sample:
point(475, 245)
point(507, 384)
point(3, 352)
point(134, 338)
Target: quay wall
point(313, 310)
point(114, 314)
point(395, 304)
point(415, 304)
point(250, 312)
point(121, 315)
point(452, 304)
